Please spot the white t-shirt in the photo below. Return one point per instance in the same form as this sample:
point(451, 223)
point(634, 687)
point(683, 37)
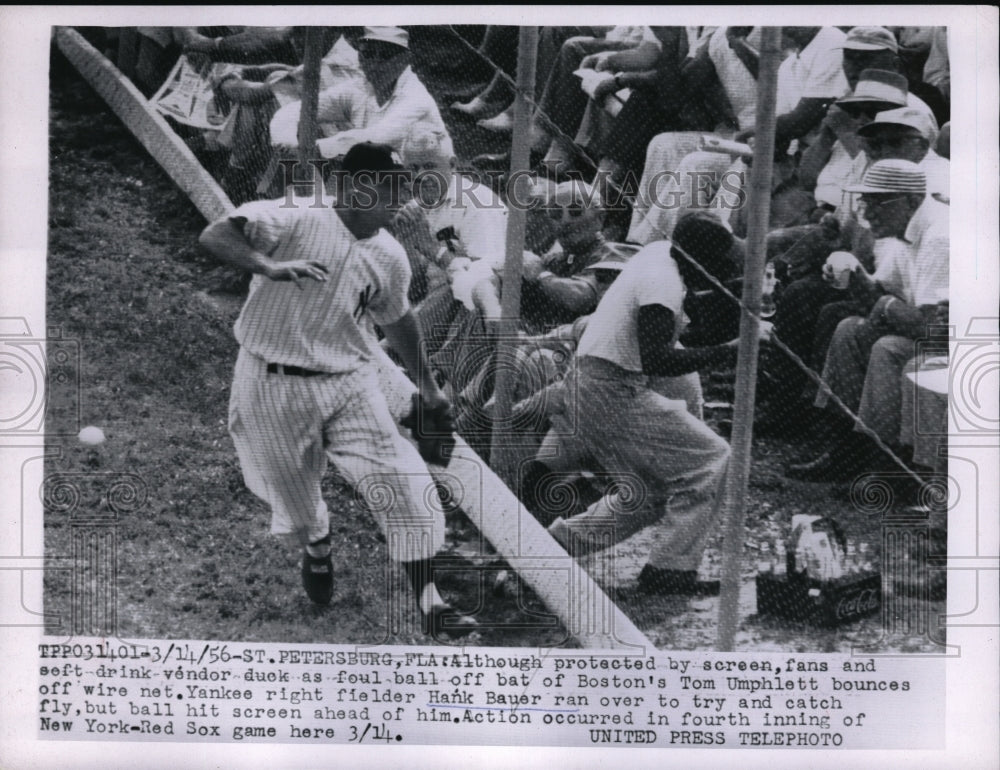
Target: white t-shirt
point(650, 277)
point(815, 72)
point(324, 326)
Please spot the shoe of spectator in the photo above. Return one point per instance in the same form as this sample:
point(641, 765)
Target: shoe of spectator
point(317, 578)
point(477, 108)
point(675, 582)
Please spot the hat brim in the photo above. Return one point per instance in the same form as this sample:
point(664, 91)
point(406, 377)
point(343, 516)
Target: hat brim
point(855, 46)
point(856, 100)
point(865, 188)
point(875, 125)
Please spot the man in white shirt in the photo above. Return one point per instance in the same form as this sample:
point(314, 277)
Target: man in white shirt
point(669, 463)
point(305, 387)
point(866, 357)
point(454, 231)
point(835, 159)
point(381, 107)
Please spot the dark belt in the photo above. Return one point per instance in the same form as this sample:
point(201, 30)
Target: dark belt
point(295, 371)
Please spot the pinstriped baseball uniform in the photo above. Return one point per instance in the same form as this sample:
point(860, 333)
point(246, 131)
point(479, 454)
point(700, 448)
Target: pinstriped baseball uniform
point(285, 426)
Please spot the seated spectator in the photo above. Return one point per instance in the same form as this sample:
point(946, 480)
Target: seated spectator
point(808, 82)
point(251, 95)
point(494, 107)
point(643, 92)
point(381, 107)
point(681, 92)
point(498, 52)
point(672, 462)
point(832, 160)
point(562, 101)
point(240, 45)
point(837, 158)
point(454, 232)
point(539, 364)
point(908, 135)
point(556, 288)
point(867, 355)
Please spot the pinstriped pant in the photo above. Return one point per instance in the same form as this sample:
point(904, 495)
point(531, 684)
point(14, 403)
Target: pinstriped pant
point(286, 427)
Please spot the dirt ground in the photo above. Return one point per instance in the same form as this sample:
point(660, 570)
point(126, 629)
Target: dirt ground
point(127, 281)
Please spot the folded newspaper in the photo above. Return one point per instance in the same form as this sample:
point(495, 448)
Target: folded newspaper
point(187, 96)
point(591, 79)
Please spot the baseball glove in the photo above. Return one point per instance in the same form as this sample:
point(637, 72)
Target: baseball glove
point(432, 429)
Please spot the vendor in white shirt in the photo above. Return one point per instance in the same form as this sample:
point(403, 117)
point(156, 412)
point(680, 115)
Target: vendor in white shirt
point(381, 107)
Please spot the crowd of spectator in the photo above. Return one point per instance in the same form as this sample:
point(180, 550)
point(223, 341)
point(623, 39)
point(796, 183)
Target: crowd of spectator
point(641, 146)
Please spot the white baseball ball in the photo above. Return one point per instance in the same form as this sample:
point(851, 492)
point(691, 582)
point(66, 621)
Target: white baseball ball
point(92, 435)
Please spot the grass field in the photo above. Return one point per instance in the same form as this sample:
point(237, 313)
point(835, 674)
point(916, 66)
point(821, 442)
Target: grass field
point(128, 283)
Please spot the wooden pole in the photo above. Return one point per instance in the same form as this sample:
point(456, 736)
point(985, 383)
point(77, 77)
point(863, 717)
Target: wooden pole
point(502, 457)
point(308, 130)
point(746, 365)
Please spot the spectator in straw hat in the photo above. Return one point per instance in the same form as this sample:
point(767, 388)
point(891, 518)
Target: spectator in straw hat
point(381, 107)
point(867, 355)
point(906, 134)
point(910, 134)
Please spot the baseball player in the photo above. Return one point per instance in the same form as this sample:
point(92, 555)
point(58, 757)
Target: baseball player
point(305, 388)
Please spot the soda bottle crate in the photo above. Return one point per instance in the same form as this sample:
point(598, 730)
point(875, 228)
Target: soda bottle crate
point(825, 603)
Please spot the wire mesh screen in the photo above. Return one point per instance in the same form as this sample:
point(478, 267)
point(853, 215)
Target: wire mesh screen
point(622, 362)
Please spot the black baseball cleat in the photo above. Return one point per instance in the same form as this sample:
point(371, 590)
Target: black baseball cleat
point(675, 582)
point(445, 622)
point(317, 577)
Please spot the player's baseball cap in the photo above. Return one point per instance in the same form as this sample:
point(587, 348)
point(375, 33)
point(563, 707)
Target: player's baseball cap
point(394, 35)
point(892, 176)
point(870, 39)
point(370, 158)
point(911, 117)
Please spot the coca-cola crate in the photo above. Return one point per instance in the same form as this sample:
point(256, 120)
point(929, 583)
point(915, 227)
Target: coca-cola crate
point(838, 601)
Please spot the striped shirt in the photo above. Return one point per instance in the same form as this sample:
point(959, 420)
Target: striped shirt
point(324, 326)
